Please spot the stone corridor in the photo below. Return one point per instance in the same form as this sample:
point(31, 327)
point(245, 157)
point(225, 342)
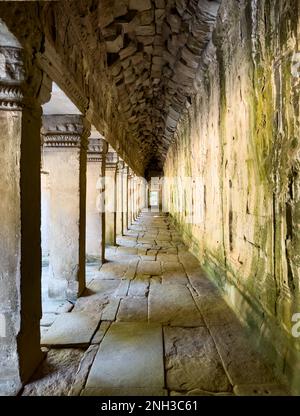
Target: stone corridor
point(149, 323)
point(150, 197)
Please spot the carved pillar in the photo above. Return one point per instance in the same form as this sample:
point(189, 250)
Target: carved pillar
point(95, 211)
point(119, 193)
point(125, 199)
point(135, 197)
point(65, 153)
point(111, 197)
point(20, 213)
point(130, 197)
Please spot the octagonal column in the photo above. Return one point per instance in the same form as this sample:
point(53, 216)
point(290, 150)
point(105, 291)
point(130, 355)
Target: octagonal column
point(130, 197)
point(119, 193)
point(95, 211)
point(65, 155)
point(20, 213)
point(125, 198)
point(111, 197)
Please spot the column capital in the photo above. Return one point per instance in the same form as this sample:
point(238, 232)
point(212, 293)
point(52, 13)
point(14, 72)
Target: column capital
point(120, 166)
point(112, 160)
point(97, 149)
point(12, 76)
point(65, 131)
point(21, 88)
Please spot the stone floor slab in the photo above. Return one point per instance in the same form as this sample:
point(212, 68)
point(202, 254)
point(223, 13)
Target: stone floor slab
point(48, 319)
point(152, 268)
point(242, 362)
point(101, 331)
point(133, 309)
point(261, 390)
point(174, 305)
point(136, 351)
point(192, 361)
point(174, 277)
point(75, 328)
point(139, 286)
point(110, 311)
point(126, 391)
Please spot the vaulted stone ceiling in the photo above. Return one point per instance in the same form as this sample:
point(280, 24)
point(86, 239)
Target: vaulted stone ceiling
point(129, 65)
point(153, 51)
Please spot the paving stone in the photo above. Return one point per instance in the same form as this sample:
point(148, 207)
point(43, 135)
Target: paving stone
point(148, 258)
point(133, 309)
point(142, 252)
point(192, 361)
point(126, 251)
point(101, 331)
point(189, 261)
point(174, 277)
point(136, 349)
point(97, 296)
point(56, 375)
point(152, 252)
point(169, 266)
point(173, 304)
point(110, 311)
point(102, 287)
point(48, 319)
point(167, 257)
point(126, 391)
point(83, 370)
point(146, 241)
point(113, 270)
point(243, 364)
point(74, 328)
point(198, 392)
point(122, 289)
point(131, 270)
point(139, 286)
point(261, 390)
point(149, 267)
point(56, 306)
point(214, 309)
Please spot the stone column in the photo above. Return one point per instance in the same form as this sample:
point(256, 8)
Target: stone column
point(20, 213)
point(125, 199)
point(45, 214)
point(119, 193)
point(65, 153)
point(130, 197)
point(111, 197)
point(95, 212)
point(135, 197)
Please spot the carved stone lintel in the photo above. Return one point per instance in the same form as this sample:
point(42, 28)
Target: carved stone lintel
point(12, 75)
point(65, 131)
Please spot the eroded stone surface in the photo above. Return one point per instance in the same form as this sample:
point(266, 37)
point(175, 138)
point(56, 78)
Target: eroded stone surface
point(75, 328)
point(193, 361)
point(261, 390)
point(56, 374)
point(241, 361)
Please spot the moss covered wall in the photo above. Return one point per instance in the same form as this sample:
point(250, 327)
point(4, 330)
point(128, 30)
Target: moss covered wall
point(239, 141)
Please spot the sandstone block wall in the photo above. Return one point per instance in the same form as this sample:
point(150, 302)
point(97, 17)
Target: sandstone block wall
point(239, 142)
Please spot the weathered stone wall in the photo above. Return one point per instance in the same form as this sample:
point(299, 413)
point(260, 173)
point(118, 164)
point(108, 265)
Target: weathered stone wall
point(239, 141)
